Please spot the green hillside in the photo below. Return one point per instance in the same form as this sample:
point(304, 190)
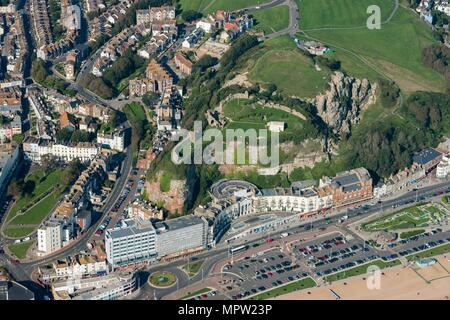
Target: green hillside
point(393, 52)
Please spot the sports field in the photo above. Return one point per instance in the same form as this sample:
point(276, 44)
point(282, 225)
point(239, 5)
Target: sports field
point(394, 51)
point(413, 217)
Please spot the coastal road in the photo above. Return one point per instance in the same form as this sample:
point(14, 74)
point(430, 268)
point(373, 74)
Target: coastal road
point(220, 251)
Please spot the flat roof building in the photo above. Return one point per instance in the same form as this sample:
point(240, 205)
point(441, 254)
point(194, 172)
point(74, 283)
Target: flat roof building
point(427, 159)
point(133, 242)
point(180, 235)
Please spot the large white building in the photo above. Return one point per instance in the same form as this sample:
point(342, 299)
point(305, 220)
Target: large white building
point(292, 199)
point(180, 235)
point(443, 168)
point(155, 14)
point(133, 242)
point(114, 141)
point(35, 149)
point(139, 241)
point(207, 25)
point(49, 237)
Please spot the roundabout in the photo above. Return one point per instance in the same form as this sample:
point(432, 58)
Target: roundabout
point(162, 279)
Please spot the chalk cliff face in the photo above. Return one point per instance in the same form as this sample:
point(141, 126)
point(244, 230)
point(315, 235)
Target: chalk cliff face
point(340, 106)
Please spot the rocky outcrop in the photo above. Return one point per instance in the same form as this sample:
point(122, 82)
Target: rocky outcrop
point(341, 105)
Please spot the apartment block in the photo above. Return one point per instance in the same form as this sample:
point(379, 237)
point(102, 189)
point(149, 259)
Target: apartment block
point(133, 242)
point(181, 235)
point(49, 237)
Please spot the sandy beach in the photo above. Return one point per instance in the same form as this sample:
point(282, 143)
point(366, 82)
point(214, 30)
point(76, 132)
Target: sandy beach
point(398, 283)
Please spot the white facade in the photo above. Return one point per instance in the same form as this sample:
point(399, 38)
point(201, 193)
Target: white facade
point(206, 26)
point(34, 150)
point(181, 234)
point(295, 203)
point(131, 243)
point(81, 269)
point(49, 237)
point(115, 141)
point(443, 168)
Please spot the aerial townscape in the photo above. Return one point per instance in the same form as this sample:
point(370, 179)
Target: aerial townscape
point(96, 96)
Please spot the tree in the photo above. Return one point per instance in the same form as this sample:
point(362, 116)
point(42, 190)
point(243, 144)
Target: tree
point(16, 187)
point(113, 119)
point(39, 71)
point(332, 64)
point(390, 93)
point(28, 187)
point(47, 163)
point(150, 99)
point(72, 171)
point(204, 63)
point(191, 15)
point(80, 136)
point(64, 135)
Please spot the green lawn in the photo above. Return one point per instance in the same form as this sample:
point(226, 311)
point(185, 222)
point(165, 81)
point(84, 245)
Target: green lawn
point(194, 267)
point(40, 211)
point(246, 115)
point(196, 293)
point(137, 111)
point(393, 51)
point(162, 279)
point(36, 206)
point(339, 13)
point(412, 233)
point(43, 184)
point(359, 270)
point(228, 5)
point(196, 5)
point(290, 287)
point(20, 249)
point(18, 232)
point(272, 19)
point(291, 71)
point(445, 248)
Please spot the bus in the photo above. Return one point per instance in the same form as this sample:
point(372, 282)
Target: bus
point(238, 249)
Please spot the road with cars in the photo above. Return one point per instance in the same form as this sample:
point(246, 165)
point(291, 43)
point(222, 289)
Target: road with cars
point(80, 244)
point(363, 252)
